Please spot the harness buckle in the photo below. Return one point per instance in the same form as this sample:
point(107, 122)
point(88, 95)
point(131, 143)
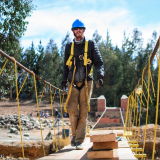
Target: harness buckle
point(81, 57)
point(89, 61)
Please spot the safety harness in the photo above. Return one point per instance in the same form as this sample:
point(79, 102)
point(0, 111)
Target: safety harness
point(69, 64)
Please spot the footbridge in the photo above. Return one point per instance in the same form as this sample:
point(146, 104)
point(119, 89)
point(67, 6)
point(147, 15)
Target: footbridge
point(98, 144)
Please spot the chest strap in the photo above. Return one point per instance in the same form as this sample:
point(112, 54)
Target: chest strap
point(70, 59)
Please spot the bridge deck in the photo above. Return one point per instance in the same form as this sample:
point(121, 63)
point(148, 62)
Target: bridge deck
point(69, 152)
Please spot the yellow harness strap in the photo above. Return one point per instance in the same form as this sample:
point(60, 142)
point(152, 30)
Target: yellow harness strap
point(69, 61)
point(85, 53)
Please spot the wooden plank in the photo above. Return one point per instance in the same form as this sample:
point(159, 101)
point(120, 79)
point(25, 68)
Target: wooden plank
point(140, 155)
point(125, 153)
point(103, 138)
point(69, 152)
point(102, 154)
point(133, 145)
point(128, 134)
point(105, 145)
point(136, 150)
point(118, 133)
point(123, 144)
point(107, 158)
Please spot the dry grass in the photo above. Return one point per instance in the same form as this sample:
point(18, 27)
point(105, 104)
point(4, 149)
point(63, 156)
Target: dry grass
point(62, 142)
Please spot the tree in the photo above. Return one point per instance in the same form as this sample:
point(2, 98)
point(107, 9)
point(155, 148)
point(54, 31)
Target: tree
point(12, 22)
point(12, 27)
point(66, 40)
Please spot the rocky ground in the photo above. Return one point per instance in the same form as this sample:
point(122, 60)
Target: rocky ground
point(32, 135)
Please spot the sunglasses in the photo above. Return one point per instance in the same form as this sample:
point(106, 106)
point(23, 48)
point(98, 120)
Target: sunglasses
point(76, 28)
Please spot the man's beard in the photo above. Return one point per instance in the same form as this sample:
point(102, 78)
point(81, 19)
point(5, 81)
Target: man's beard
point(78, 37)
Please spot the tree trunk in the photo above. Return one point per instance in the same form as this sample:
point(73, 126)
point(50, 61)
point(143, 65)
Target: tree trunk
point(10, 96)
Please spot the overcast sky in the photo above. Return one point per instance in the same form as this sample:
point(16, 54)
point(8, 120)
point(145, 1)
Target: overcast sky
point(54, 18)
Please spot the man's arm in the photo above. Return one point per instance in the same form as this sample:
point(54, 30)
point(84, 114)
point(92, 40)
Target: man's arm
point(65, 67)
point(97, 61)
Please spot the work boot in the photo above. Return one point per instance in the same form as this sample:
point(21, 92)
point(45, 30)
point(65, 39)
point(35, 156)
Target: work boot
point(73, 143)
point(79, 146)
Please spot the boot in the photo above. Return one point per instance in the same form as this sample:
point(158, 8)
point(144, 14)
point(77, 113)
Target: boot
point(79, 146)
point(73, 143)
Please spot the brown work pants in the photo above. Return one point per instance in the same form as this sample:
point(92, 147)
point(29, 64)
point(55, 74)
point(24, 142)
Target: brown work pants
point(78, 117)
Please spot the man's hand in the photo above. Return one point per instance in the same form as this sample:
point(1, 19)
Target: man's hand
point(64, 86)
point(99, 83)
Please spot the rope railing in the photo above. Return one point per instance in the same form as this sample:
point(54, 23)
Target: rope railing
point(140, 96)
point(27, 70)
point(134, 108)
point(37, 101)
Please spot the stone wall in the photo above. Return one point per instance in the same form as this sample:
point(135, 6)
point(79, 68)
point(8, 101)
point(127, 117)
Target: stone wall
point(108, 120)
point(112, 115)
point(104, 125)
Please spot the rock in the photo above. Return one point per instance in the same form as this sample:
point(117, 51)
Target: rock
point(26, 134)
point(8, 126)
point(158, 133)
point(42, 128)
point(2, 117)
point(13, 130)
point(17, 132)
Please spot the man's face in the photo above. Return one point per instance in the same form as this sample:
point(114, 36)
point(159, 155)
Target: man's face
point(78, 32)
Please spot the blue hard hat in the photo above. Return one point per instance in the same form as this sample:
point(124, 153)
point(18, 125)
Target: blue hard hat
point(77, 23)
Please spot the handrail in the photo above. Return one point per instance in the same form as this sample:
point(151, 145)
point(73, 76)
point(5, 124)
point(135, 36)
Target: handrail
point(151, 59)
point(26, 69)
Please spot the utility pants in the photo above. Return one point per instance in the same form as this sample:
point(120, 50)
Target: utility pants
point(78, 118)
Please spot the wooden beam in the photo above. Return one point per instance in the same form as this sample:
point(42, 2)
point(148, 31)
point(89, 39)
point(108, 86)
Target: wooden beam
point(102, 154)
point(103, 138)
point(105, 145)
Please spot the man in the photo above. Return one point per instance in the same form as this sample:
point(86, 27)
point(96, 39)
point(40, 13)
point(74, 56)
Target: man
point(76, 71)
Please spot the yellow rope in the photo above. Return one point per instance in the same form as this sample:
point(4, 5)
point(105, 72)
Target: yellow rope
point(152, 84)
point(86, 89)
point(127, 115)
point(70, 90)
point(157, 58)
point(130, 116)
point(42, 94)
point(144, 96)
point(61, 102)
point(3, 66)
point(38, 111)
point(136, 118)
point(23, 84)
point(52, 99)
point(147, 107)
point(148, 88)
point(134, 106)
point(18, 107)
point(140, 108)
point(157, 108)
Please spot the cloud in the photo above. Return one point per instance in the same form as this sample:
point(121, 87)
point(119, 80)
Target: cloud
point(56, 22)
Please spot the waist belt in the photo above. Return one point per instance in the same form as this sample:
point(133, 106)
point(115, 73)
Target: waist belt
point(79, 86)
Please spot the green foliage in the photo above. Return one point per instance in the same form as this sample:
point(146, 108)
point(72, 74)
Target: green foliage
point(12, 27)
point(122, 66)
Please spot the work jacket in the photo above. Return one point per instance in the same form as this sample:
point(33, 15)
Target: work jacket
point(80, 74)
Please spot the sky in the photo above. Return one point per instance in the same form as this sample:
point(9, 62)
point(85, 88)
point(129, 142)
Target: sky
point(54, 18)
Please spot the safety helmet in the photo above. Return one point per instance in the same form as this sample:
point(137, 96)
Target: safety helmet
point(78, 23)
